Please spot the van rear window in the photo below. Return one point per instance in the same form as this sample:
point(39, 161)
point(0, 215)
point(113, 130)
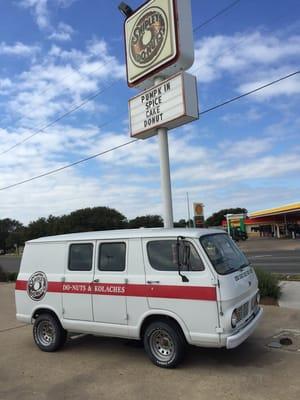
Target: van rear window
point(81, 257)
point(112, 257)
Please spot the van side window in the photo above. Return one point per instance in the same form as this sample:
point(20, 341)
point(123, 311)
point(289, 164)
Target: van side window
point(112, 257)
point(81, 257)
point(162, 255)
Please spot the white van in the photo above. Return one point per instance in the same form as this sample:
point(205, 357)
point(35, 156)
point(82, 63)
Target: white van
point(167, 287)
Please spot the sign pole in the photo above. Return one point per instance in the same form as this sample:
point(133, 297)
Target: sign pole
point(165, 172)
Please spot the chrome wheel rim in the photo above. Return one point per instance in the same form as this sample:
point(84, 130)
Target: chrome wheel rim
point(162, 345)
point(45, 333)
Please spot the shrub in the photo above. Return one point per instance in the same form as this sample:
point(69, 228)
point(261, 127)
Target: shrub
point(7, 276)
point(2, 275)
point(268, 284)
point(11, 276)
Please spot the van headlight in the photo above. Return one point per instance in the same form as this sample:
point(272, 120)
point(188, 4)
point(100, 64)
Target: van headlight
point(234, 319)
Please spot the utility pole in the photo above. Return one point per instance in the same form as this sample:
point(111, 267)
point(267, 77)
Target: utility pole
point(188, 209)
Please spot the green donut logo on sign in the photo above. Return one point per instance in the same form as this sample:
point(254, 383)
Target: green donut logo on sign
point(148, 37)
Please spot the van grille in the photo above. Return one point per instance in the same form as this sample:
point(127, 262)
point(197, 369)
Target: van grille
point(242, 311)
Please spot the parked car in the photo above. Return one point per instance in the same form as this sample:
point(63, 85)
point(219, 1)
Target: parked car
point(237, 234)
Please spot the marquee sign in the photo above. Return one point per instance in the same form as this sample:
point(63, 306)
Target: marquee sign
point(158, 38)
point(169, 104)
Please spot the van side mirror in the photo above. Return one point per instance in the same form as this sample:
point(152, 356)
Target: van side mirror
point(182, 257)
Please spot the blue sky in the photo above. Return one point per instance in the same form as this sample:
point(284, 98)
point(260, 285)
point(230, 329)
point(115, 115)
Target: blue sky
point(54, 53)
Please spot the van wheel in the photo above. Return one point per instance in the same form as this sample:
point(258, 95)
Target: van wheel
point(164, 344)
point(48, 333)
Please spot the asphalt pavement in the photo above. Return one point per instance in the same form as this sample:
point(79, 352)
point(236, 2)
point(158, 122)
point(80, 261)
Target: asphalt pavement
point(10, 263)
point(281, 256)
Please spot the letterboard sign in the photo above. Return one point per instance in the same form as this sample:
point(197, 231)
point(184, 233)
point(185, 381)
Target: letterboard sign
point(172, 103)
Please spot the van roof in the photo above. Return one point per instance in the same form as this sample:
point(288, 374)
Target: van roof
point(128, 233)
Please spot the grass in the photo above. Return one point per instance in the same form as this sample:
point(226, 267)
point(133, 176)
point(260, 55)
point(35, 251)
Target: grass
point(268, 284)
point(287, 277)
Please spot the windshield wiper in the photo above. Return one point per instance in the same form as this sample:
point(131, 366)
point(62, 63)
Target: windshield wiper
point(243, 266)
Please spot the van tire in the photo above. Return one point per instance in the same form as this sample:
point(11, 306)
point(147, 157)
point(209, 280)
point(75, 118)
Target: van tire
point(164, 343)
point(48, 333)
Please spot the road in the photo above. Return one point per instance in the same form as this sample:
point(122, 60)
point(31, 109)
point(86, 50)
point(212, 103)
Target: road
point(272, 256)
point(276, 261)
point(10, 263)
point(282, 256)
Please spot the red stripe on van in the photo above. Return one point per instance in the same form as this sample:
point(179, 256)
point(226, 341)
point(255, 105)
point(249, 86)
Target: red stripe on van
point(132, 290)
point(21, 285)
point(173, 292)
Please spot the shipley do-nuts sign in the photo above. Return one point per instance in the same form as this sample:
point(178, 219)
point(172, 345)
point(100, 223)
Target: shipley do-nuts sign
point(158, 38)
point(169, 104)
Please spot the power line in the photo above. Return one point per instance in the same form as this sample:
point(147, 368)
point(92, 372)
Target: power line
point(231, 5)
point(96, 94)
point(250, 92)
point(75, 108)
point(49, 86)
point(68, 165)
point(134, 140)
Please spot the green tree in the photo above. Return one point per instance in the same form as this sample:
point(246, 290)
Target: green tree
point(11, 232)
point(146, 221)
point(217, 218)
point(86, 219)
point(94, 219)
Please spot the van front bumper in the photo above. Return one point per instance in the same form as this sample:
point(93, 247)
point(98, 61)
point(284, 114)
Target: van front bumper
point(238, 338)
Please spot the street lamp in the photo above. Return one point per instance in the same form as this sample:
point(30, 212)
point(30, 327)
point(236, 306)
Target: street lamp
point(125, 9)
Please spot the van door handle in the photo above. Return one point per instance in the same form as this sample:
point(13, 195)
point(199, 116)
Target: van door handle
point(153, 282)
point(96, 281)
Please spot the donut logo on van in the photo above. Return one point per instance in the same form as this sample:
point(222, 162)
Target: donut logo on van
point(37, 286)
point(148, 37)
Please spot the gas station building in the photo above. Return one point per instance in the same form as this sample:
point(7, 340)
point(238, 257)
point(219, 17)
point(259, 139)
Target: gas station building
point(278, 222)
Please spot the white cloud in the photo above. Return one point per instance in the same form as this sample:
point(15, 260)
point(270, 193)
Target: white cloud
point(247, 147)
point(40, 11)
point(129, 178)
point(63, 33)
point(61, 81)
point(287, 87)
point(18, 49)
point(251, 59)
point(221, 54)
point(5, 83)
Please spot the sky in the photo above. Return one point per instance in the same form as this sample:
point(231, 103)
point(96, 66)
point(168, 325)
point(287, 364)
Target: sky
point(56, 53)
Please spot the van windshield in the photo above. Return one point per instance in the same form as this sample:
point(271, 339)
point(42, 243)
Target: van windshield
point(223, 253)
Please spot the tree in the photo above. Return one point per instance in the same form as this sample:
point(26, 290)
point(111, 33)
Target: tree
point(146, 221)
point(10, 233)
point(217, 218)
point(94, 219)
point(86, 219)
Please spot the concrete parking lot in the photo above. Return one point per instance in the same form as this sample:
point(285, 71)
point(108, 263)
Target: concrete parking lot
point(103, 368)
